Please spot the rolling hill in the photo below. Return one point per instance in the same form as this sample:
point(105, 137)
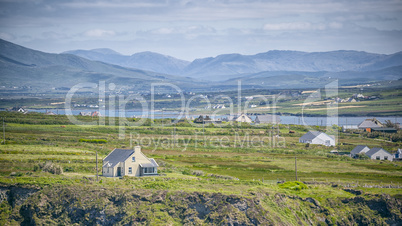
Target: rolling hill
point(145, 60)
point(20, 66)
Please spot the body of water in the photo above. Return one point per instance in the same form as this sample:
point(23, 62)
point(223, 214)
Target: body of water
point(297, 120)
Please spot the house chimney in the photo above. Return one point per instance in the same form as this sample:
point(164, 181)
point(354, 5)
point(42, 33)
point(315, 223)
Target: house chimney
point(137, 148)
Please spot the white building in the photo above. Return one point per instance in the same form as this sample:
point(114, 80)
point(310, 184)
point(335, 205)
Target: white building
point(316, 137)
point(129, 162)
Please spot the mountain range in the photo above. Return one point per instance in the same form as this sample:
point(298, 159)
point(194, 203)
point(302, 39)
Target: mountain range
point(229, 66)
point(20, 66)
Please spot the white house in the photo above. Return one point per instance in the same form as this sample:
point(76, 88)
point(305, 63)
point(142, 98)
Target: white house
point(379, 154)
point(316, 137)
point(267, 119)
point(128, 162)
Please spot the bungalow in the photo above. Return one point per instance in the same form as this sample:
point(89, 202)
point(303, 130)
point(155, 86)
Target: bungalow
point(368, 124)
point(267, 119)
point(316, 137)
point(128, 162)
point(359, 149)
point(379, 154)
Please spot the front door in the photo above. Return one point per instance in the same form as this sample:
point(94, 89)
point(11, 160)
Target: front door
point(119, 171)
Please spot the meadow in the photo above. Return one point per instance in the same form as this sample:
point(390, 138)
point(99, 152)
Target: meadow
point(213, 172)
point(239, 150)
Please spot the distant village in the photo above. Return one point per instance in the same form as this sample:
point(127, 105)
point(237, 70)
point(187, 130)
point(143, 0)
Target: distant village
point(370, 125)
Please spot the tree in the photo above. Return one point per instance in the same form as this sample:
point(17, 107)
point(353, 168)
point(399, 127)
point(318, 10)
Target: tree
point(390, 124)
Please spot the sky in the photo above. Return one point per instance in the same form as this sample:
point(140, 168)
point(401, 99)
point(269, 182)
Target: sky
point(190, 29)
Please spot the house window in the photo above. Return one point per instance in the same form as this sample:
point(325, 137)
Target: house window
point(130, 170)
point(149, 170)
point(108, 170)
point(133, 159)
point(377, 157)
point(385, 157)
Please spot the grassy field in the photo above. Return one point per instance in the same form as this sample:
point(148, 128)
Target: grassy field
point(212, 167)
point(242, 152)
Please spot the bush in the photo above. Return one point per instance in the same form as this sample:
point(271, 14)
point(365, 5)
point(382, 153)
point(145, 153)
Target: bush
point(96, 141)
point(198, 173)
point(362, 156)
point(293, 185)
point(49, 167)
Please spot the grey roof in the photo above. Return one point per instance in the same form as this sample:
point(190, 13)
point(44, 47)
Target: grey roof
point(154, 162)
point(358, 149)
point(370, 123)
point(116, 156)
point(375, 150)
point(310, 135)
point(267, 118)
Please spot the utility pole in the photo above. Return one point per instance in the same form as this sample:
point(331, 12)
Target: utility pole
point(296, 167)
point(162, 118)
point(4, 132)
point(96, 165)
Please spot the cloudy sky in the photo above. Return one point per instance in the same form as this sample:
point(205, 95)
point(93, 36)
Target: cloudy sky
point(190, 29)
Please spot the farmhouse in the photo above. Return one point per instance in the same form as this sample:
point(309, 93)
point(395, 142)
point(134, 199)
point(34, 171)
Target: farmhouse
point(267, 119)
point(316, 137)
point(128, 162)
point(379, 154)
point(368, 124)
point(359, 149)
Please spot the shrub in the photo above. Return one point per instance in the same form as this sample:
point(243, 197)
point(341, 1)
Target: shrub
point(198, 173)
point(293, 185)
point(96, 141)
point(49, 167)
point(362, 156)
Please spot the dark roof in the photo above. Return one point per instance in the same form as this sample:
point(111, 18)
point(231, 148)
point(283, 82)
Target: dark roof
point(383, 129)
point(370, 123)
point(267, 118)
point(310, 135)
point(116, 156)
point(375, 150)
point(358, 149)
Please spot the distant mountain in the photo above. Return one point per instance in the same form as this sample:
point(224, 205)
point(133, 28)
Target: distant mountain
point(229, 66)
point(20, 66)
point(301, 79)
point(234, 65)
point(145, 60)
